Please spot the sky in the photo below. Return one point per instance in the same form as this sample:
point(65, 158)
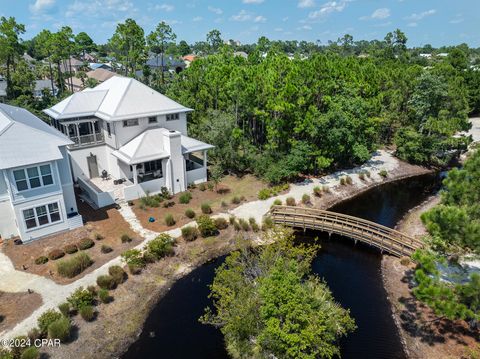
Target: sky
point(435, 22)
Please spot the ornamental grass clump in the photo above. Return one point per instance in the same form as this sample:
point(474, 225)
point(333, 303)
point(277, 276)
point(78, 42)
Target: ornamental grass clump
point(60, 329)
point(190, 213)
point(125, 238)
point(317, 191)
point(118, 274)
point(169, 220)
point(85, 243)
point(306, 199)
point(189, 233)
point(70, 248)
point(221, 223)
point(134, 260)
point(349, 180)
point(106, 282)
point(56, 254)
point(185, 198)
point(81, 298)
point(47, 318)
point(206, 226)
point(87, 313)
point(75, 265)
point(104, 296)
point(206, 209)
point(290, 201)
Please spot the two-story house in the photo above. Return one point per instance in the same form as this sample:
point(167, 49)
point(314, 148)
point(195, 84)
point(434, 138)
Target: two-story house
point(128, 140)
point(36, 187)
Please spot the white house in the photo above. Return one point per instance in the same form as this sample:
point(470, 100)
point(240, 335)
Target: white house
point(128, 140)
point(36, 187)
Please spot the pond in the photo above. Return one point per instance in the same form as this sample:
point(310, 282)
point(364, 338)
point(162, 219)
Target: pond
point(352, 271)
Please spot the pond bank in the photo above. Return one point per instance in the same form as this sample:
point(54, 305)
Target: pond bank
point(123, 319)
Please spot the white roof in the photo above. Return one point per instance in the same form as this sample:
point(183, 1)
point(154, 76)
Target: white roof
point(25, 139)
point(116, 99)
point(149, 146)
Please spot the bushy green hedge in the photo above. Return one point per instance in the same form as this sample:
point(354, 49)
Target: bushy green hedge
point(161, 246)
point(206, 226)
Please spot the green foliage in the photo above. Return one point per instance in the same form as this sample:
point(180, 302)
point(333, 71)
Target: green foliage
point(185, 197)
point(190, 213)
point(64, 308)
point(236, 200)
point(277, 202)
point(221, 223)
point(151, 201)
point(206, 209)
point(118, 274)
point(125, 238)
point(202, 187)
point(30, 353)
point(349, 180)
point(60, 329)
point(85, 243)
point(106, 249)
point(41, 260)
point(268, 304)
point(55, 254)
point(47, 318)
point(104, 296)
point(317, 191)
point(290, 201)
point(75, 265)
point(169, 220)
point(106, 282)
point(268, 192)
point(134, 260)
point(206, 226)
point(306, 199)
point(244, 225)
point(267, 223)
point(81, 298)
point(189, 233)
point(161, 246)
point(383, 173)
point(87, 312)
point(71, 248)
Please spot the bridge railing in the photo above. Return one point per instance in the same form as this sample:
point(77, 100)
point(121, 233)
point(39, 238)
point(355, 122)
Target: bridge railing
point(376, 234)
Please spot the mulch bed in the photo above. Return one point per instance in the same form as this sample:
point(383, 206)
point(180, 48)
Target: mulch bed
point(14, 307)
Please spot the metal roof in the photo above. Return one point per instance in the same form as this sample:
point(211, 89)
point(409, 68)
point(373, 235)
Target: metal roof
point(25, 139)
point(116, 99)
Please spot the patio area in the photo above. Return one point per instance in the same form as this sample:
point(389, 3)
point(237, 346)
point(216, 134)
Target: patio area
point(108, 185)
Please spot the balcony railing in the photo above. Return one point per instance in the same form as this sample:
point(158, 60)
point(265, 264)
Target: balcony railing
point(87, 140)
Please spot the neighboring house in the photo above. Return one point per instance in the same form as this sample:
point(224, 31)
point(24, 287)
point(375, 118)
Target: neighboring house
point(37, 198)
point(44, 84)
point(99, 74)
point(105, 66)
point(241, 54)
point(188, 59)
point(71, 65)
point(129, 141)
point(169, 63)
point(88, 57)
point(3, 89)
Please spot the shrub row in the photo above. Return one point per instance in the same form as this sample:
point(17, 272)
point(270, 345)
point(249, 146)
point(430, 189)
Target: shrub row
point(266, 193)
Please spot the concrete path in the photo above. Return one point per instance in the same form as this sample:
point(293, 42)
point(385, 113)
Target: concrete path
point(54, 294)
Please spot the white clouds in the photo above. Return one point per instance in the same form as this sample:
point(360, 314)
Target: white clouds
point(417, 17)
point(215, 10)
point(241, 16)
point(328, 8)
point(165, 7)
point(197, 19)
point(252, 1)
point(41, 5)
point(99, 8)
point(260, 18)
point(379, 14)
point(306, 3)
point(457, 19)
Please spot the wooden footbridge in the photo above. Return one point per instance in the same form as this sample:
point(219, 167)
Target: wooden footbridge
point(386, 239)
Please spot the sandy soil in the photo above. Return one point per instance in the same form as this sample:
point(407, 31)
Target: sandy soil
point(411, 223)
point(107, 222)
point(15, 307)
point(246, 187)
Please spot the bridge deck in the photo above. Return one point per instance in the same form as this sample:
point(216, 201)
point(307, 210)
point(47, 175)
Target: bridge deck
point(384, 238)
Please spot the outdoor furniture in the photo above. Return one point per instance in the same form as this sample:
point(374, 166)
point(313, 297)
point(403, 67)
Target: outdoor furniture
point(105, 175)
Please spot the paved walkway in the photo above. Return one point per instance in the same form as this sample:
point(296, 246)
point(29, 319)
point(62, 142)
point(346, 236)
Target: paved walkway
point(54, 294)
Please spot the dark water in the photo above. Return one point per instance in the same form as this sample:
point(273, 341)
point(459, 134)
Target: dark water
point(352, 272)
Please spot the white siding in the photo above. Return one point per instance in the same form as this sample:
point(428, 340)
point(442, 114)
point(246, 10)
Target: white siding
point(8, 227)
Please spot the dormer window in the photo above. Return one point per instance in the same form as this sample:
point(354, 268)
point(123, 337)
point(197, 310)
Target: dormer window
point(152, 120)
point(172, 117)
point(130, 123)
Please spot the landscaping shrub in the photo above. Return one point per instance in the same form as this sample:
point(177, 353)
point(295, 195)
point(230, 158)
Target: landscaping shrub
point(202, 187)
point(221, 223)
point(151, 201)
point(277, 202)
point(272, 191)
point(85, 243)
point(405, 261)
point(189, 233)
point(30, 353)
point(47, 318)
point(237, 226)
point(98, 237)
point(361, 175)
point(252, 220)
point(165, 193)
point(343, 181)
point(33, 334)
point(92, 289)
point(161, 246)
point(64, 308)
point(368, 174)
point(206, 226)
point(56, 254)
point(106, 249)
point(190, 213)
point(383, 173)
point(106, 282)
point(73, 266)
point(206, 209)
point(264, 194)
point(118, 274)
point(71, 248)
point(267, 223)
point(104, 296)
point(149, 257)
point(224, 204)
point(17, 350)
point(134, 260)
point(41, 260)
point(317, 191)
point(242, 198)
point(125, 238)
point(255, 227)
point(349, 180)
point(326, 189)
point(290, 201)
point(210, 186)
point(81, 298)
point(60, 329)
point(244, 224)
point(87, 313)
point(236, 200)
point(169, 220)
point(185, 198)
point(231, 219)
point(305, 199)
point(168, 204)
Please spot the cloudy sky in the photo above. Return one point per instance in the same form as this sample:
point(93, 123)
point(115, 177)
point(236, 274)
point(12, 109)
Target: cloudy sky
point(438, 22)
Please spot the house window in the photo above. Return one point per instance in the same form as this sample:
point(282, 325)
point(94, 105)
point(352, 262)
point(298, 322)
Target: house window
point(33, 177)
point(154, 166)
point(152, 119)
point(129, 123)
point(173, 117)
point(41, 215)
point(109, 130)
